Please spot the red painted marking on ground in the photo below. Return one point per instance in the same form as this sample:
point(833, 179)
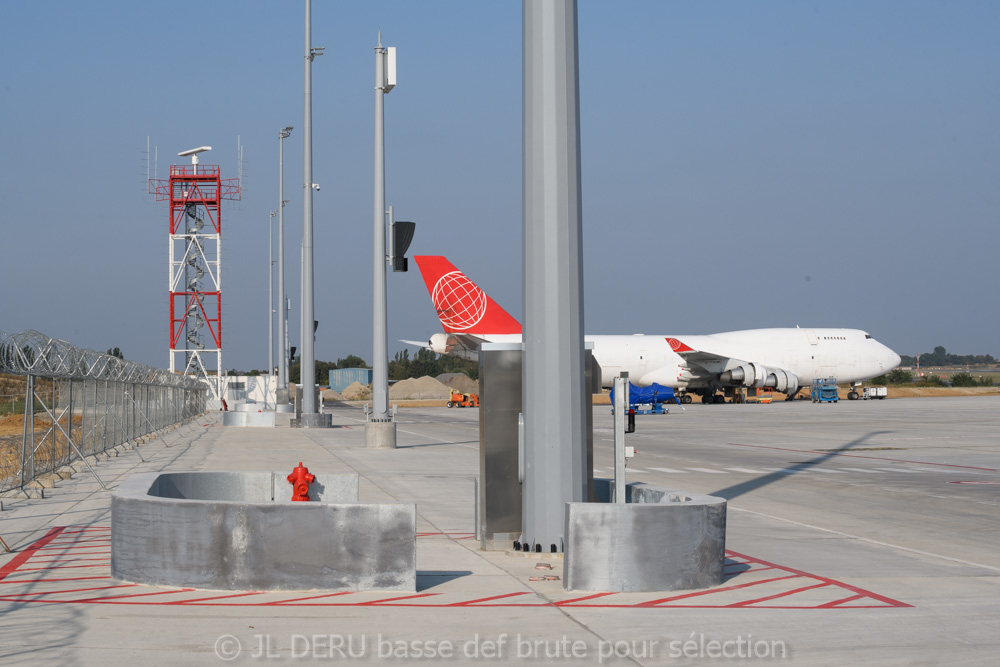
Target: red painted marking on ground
point(685, 596)
point(749, 603)
point(841, 601)
point(14, 563)
point(694, 599)
point(49, 581)
point(468, 603)
point(74, 542)
point(311, 597)
point(214, 598)
point(399, 599)
point(69, 590)
point(56, 567)
point(108, 599)
point(63, 547)
point(562, 603)
point(859, 456)
point(978, 483)
point(855, 589)
point(62, 556)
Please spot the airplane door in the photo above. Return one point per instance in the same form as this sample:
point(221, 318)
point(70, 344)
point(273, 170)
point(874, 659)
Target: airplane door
point(811, 337)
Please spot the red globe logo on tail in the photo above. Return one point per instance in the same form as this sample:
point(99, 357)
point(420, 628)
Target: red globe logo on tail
point(459, 303)
point(678, 346)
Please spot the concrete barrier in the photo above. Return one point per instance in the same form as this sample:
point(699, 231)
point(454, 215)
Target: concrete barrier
point(247, 418)
point(239, 531)
point(659, 540)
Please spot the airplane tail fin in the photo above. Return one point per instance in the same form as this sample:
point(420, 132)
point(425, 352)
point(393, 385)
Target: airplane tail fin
point(460, 304)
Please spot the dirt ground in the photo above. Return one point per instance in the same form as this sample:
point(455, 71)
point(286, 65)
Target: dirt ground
point(14, 424)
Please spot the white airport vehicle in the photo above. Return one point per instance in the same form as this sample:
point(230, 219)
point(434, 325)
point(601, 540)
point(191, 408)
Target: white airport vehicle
point(875, 392)
point(783, 359)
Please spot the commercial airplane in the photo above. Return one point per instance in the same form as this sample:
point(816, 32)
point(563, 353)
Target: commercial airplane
point(783, 359)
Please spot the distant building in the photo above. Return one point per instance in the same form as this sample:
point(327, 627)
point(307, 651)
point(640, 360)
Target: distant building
point(341, 378)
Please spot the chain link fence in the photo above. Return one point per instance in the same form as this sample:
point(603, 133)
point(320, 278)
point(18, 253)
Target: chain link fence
point(60, 404)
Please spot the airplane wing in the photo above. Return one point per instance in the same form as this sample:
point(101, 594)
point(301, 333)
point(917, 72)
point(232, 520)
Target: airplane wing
point(731, 371)
point(701, 359)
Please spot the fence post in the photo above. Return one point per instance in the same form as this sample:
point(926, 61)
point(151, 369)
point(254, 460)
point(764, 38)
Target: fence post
point(28, 446)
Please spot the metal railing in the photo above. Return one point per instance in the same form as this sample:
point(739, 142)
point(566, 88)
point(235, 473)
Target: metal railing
point(75, 403)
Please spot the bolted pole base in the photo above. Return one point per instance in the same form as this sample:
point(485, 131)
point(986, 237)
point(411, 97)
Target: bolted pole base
point(314, 420)
point(380, 435)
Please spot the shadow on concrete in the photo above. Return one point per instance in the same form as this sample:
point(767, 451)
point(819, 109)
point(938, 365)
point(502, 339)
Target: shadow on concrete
point(737, 490)
point(732, 568)
point(427, 579)
point(439, 444)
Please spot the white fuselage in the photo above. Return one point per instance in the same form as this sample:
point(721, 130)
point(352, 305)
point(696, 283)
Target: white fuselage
point(849, 355)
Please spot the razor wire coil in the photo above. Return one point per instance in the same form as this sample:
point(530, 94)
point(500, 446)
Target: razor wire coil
point(33, 353)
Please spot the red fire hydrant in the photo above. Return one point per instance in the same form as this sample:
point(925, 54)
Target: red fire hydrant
point(300, 479)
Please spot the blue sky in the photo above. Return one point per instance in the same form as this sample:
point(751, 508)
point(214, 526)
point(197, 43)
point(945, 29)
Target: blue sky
point(744, 164)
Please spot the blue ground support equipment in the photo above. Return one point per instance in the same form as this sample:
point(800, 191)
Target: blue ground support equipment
point(648, 400)
point(824, 390)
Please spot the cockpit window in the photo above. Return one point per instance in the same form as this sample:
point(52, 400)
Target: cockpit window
point(867, 336)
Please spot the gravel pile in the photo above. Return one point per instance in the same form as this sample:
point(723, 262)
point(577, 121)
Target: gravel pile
point(460, 382)
point(425, 387)
point(356, 392)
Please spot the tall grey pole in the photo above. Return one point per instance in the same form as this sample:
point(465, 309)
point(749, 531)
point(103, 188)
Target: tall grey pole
point(555, 431)
point(380, 345)
point(621, 416)
point(270, 294)
point(282, 393)
point(307, 366)
point(380, 430)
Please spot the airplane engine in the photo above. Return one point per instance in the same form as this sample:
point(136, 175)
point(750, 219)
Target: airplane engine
point(748, 375)
point(442, 343)
point(438, 343)
point(784, 381)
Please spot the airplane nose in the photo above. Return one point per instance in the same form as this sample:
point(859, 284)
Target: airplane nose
point(894, 360)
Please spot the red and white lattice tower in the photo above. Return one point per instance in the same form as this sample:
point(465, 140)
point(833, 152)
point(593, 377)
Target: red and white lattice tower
point(195, 193)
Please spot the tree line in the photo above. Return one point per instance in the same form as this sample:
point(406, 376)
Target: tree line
point(941, 357)
point(898, 376)
point(401, 367)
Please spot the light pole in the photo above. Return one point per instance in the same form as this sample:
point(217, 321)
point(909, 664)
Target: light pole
point(555, 452)
point(310, 417)
point(380, 429)
point(270, 297)
point(282, 393)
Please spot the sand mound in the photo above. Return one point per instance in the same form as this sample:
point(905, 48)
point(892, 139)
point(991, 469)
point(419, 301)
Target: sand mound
point(459, 382)
point(356, 392)
point(331, 395)
point(425, 387)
